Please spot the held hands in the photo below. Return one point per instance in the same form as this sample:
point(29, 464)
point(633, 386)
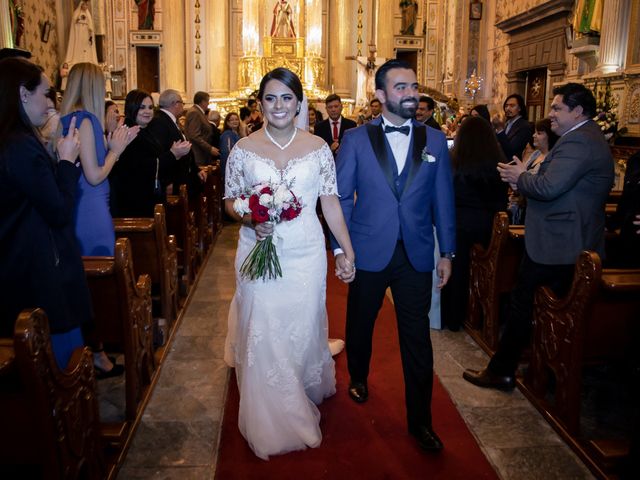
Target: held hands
point(202, 174)
point(68, 147)
point(444, 271)
point(335, 145)
point(180, 148)
point(121, 137)
point(345, 268)
point(263, 230)
point(510, 172)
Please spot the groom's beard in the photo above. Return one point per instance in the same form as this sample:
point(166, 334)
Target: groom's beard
point(402, 111)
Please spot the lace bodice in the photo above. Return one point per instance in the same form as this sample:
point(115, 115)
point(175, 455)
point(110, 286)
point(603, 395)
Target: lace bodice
point(309, 176)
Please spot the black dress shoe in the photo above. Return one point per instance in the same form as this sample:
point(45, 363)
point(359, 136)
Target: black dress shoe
point(358, 392)
point(487, 379)
point(116, 371)
point(427, 439)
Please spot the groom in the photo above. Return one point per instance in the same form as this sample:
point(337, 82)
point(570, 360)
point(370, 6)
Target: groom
point(394, 180)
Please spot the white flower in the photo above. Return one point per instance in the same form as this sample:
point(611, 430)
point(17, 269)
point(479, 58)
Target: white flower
point(266, 199)
point(282, 195)
point(241, 206)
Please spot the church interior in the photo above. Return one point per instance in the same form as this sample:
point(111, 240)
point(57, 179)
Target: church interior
point(164, 418)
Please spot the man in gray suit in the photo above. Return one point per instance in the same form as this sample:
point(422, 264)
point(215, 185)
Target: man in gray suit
point(197, 129)
point(565, 215)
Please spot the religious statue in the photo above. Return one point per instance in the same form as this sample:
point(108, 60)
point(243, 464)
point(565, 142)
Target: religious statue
point(409, 9)
point(146, 13)
point(82, 45)
point(588, 17)
point(282, 23)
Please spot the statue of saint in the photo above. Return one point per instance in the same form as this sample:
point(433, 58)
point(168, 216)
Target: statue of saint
point(82, 45)
point(409, 9)
point(146, 13)
point(282, 23)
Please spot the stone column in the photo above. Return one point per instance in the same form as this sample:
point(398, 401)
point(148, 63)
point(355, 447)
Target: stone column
point(342, 43)
point(614, 36)
point(216, 55)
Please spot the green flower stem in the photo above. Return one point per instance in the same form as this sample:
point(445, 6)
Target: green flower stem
point(262, 261)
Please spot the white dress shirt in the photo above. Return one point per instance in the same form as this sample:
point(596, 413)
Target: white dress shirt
point(399, 142)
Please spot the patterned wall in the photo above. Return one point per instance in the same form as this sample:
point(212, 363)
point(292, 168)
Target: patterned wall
point(505, 9)
point(36, 13)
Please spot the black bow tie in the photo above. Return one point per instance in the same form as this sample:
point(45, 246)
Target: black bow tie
point(405, 129)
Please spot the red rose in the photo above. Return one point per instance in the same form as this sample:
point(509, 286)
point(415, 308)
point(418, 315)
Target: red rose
point(266, 190)
point(260, 214)
point(289, 214)
point(254, 202)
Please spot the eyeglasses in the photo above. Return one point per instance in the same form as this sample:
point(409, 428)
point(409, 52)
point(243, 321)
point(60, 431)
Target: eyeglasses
point(147, 107)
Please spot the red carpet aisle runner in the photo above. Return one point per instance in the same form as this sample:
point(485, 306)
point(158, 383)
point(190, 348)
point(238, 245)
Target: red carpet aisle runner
point(368, 441)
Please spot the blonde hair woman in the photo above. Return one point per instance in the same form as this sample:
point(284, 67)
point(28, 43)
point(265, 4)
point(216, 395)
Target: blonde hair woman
point(84, 100)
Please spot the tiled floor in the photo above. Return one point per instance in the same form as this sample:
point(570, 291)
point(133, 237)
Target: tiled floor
point(179, 433)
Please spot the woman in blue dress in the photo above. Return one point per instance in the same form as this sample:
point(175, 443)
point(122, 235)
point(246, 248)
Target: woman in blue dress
point(84, 100)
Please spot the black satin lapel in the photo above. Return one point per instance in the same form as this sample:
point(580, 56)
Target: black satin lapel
point(419, 143)
point(376, 137)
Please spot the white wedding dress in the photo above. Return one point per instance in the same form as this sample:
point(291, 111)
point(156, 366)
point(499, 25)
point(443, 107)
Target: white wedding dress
point(278, 329)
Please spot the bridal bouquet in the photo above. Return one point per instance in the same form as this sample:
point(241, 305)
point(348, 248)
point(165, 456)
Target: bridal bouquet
point(266, 202)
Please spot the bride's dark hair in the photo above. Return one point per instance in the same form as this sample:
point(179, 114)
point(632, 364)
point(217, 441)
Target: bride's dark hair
point(285, 76)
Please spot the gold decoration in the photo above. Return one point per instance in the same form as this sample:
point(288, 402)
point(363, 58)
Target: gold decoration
point(197, 52)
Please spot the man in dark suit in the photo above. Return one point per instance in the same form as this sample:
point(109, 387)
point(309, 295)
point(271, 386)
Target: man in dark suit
point(214, 120)
point(332, 129)
point(394, 178)
point(424, 113)
point(375, 108)
point(516, 131)
point(197, 129)
point(565, 215)
point(166, 132)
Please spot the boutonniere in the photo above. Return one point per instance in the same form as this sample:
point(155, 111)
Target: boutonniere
point(427, 157)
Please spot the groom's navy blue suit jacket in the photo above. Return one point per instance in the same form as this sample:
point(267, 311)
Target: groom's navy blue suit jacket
point(378, 212)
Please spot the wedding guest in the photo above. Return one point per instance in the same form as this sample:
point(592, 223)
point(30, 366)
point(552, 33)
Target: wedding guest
point(479, 194)
point(481, 111)
point(111, 116)
point(543, 140)
point(515, 131)
point(40, 264)
point(139, 179)
point(84, 100)
point(230, 136)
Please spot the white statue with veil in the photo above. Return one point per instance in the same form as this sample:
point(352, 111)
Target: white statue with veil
point(82, 42)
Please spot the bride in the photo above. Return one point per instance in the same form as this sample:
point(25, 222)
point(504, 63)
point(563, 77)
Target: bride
point(277, 337)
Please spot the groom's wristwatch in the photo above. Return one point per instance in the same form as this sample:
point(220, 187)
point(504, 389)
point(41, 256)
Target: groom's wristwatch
point(449, 255)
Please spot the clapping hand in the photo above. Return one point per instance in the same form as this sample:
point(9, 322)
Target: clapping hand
point(510, 172)
point(180, 148)
point(121, 137)
point(345, 268)
point(68, 147)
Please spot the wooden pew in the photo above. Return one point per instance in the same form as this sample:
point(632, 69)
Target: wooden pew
point(181, 223)
point(154, 253)
point(213, 190)
point(492, 276)
point(49, 417)
point(204, 236)
point(122, 309)
point(597, 322)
